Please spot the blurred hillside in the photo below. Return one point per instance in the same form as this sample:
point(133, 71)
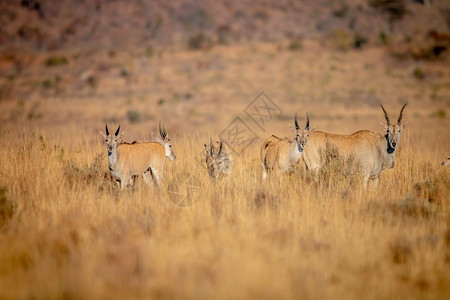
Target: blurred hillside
point(36, 25)
point(82, 63)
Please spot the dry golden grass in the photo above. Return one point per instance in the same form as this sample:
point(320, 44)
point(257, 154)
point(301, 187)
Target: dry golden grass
point(66, 232)
point(72, 235)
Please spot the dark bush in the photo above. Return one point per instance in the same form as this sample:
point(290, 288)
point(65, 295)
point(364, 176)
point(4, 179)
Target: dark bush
point(418, 73)
point(359, 41)
point(199, 41)
point(56, 61)
point(295, 45)
point(383, 37)
point(134, 116)
point(396, 9)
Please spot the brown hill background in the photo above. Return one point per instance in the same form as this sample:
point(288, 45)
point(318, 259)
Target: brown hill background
point(133, 62)
point(52, 24)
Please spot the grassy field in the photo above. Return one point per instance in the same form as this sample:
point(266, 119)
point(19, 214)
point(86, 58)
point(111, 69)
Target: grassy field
point(67, 233)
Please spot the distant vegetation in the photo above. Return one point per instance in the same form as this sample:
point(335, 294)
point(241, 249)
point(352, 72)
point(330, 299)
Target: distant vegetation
point(201, 24)
point(56, 61)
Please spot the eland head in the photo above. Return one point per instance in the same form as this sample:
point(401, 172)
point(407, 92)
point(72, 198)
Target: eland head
point(393, 130)
point(218, 160)
point(164, 140)
point(112, 140)
point(301, 136)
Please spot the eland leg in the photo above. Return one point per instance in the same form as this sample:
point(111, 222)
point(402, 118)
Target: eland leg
point(148, 178)
point(124, 182)
point(374, 182)
point(157, 178)
point(264, 172)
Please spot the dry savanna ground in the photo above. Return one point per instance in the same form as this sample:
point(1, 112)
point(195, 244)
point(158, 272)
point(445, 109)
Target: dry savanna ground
point(67, 233)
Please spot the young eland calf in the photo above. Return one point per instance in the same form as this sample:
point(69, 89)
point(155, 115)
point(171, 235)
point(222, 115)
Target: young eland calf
point(219, 161)
point(281, 154)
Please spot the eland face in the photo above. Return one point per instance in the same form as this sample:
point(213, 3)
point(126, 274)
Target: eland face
point(112, 140)
point(393, 135)
point(301, 136)
point(393, 130)
point(218, 161)
point(169, 151)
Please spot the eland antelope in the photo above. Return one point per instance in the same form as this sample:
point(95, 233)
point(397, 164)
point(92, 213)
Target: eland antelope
point(219, 161)
point(370, 151)
point(112, 140)
point(281, 154)
point(145, 159)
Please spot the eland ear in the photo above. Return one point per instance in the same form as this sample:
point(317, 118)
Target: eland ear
point(102, 134)
point(385, 127)
point(293, 130)
point(120, 135)
point(404, 125)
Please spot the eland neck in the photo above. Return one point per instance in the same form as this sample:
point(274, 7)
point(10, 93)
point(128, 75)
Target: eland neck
point(296, 152)
point(112, 158)
point(388, 152)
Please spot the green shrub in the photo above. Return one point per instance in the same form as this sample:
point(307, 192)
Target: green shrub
point(342, 40)
point(440, 114)
point(51, 82)
point(359, 41)
point(149, 51)
point(341, 12)
point(224, 34)
point(112, 53)
point(383, 37)
point(395, 9)
point(92, 81)
point(418, 73)
point(199, 41)
point(295, 45)
point(134, 116)
point(56, 61)
point(261, 14)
